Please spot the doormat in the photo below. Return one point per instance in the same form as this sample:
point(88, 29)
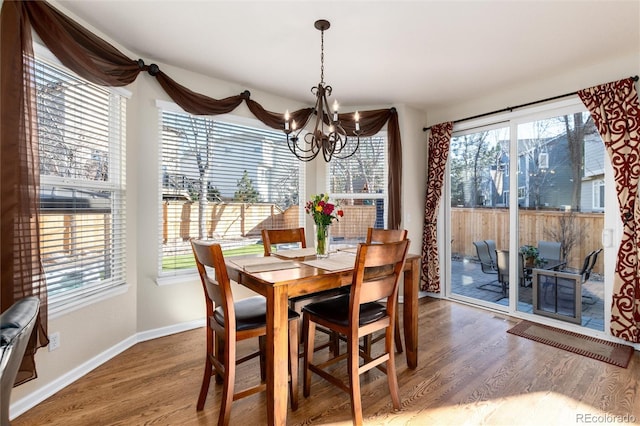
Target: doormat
point(602, 350)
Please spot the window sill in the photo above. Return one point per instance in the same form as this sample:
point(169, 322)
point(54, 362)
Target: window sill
point(176, 279)
point(60, 309)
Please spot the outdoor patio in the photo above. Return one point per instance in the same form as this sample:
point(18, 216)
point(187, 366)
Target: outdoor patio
point(469, 280)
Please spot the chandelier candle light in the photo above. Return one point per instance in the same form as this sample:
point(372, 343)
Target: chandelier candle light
point(328, 135)
point(323, 213)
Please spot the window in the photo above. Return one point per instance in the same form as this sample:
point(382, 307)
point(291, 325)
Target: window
point(223, 180)
point(598, 195)
point(359, 185)
point(81, 134)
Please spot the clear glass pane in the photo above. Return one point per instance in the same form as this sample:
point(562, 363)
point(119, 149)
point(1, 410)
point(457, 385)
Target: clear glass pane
point(359, 185)
point(479, 164)
point(224, 182)
point(561, 203)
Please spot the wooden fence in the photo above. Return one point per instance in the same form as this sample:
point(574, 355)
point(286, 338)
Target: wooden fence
point(239, 220)
point(469, 225)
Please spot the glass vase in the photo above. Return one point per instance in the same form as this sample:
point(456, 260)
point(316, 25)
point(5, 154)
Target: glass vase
point(322, 240)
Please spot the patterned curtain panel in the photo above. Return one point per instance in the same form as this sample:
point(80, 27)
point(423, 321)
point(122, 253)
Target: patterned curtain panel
point(438, 152)
point(616, 112)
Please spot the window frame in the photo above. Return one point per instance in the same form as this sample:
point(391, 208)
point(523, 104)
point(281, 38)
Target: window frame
point(71, 300)
point(598, 193)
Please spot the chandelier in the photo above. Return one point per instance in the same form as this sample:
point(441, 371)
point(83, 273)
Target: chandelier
point(327, 136)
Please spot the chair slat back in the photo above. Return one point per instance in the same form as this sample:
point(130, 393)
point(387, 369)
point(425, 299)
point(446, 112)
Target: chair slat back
point(377, 235)
point(376, 276)
point(272, 237)
point(217, 289)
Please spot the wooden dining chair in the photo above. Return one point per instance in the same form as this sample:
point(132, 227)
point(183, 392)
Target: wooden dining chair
point(376, 276)
point(272, 237)
point(229, 322)
point(377, 235)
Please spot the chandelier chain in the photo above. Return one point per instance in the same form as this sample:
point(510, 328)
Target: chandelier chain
point(322, 57)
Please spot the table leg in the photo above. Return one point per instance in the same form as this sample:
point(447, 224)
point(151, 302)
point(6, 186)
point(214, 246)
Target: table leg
point(410, 311)
point(277, 355)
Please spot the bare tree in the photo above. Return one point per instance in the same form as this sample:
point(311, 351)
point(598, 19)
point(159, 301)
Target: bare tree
point(203, 151)
point(473, 157)
point(576, 130)
point(568, 233)
point(362, 165)
point(198, 137)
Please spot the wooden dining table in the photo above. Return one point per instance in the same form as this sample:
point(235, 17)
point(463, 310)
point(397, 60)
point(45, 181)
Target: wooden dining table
point(277, 286)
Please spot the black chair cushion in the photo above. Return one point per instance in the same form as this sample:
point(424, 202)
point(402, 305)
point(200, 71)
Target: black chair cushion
point(336, 309)
point(250, 313)
point(14, 319)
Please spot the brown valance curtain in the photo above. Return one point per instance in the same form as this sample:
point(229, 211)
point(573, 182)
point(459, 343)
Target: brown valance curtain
point(616, 112)
point(371, 122)
point(99, 62)
point(438, 152)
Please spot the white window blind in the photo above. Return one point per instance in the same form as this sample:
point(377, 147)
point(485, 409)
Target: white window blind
point(359, 185)
point(81, 133)
point(223, 181)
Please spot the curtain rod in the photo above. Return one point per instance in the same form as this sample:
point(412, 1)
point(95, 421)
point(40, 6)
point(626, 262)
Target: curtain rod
point(510, 109)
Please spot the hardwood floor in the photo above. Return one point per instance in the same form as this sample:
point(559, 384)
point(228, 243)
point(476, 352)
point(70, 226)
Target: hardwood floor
point(470, 371)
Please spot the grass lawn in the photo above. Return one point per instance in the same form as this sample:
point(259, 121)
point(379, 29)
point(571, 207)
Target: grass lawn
point(185, 261)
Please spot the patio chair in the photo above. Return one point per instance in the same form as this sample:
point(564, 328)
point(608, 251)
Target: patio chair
point(502, 257)
point(487, 263)
point(549, 250)
point(491, 245)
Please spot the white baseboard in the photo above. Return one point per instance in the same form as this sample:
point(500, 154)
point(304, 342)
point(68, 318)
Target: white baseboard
point(24, 404)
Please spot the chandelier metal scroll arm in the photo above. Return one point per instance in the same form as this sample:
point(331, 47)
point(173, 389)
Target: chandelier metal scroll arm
point(335, 140)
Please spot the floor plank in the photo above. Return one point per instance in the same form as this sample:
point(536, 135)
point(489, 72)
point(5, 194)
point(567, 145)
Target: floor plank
point(470, 371)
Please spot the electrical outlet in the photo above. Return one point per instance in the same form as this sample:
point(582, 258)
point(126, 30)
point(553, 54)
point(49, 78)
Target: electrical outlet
point(54, 341)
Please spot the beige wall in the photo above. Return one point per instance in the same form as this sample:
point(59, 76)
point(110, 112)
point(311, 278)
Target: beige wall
point(94, 333)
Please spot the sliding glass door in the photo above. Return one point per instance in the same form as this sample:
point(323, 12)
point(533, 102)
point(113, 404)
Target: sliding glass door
point(527, 194)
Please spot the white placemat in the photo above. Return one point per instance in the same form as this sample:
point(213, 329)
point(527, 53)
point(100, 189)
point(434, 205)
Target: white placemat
point(353, 250)
point(263, 264)
point(335, 262)
point(309, 251)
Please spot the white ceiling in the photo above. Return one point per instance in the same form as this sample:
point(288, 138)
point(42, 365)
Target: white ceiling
point(419, 53)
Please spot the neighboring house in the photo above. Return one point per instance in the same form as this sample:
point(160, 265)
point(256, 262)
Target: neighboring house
point(593, 182)
point(544, 176)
